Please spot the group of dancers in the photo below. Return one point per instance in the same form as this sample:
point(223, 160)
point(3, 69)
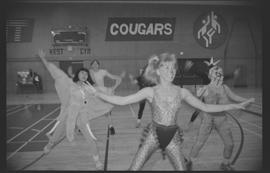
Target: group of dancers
point(85, 97)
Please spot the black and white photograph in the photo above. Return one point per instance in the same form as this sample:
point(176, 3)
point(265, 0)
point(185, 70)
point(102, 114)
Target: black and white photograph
point(132, 85)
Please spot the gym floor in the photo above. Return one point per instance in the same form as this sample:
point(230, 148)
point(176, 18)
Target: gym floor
point(30, 116)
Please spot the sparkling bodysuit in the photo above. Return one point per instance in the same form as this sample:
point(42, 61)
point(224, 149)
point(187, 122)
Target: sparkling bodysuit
point(162, 133)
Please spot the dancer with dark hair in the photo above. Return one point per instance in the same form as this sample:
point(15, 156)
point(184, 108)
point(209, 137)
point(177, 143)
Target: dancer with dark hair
point(165, 98)
point(98, 75)
point(216, 93)
point(78, 107)
point(142, 83)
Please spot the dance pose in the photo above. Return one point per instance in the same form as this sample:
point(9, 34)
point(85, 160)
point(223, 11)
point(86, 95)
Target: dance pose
point(165, 98)
point(139, 80)
point(98, 76)
point(216, 93)
point(78, 107)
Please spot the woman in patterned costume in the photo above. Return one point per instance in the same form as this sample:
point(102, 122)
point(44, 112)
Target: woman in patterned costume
point(216, 93)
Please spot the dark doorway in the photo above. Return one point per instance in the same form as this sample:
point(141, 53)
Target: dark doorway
point(70, 67)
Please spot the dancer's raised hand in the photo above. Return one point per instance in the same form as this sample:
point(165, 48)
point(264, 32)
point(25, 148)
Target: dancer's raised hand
point(247, 102)
point(89, 87)
point(41, 53)
point(123, 74)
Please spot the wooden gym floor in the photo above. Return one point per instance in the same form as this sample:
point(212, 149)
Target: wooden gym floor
point(30, 116)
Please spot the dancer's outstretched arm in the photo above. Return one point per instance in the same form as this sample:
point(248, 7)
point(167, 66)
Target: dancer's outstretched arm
point(235, 97)
point(146, 93)
point(42, 55)
point(193, 101)
point(55, 71)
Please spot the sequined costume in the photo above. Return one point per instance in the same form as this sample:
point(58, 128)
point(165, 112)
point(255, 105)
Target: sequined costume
point(162, 133)
point(78, 107)
point(218, 121)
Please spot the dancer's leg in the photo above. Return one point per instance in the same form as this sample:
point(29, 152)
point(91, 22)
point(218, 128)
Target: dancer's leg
point(73, 112)
point(62, 83)
point(149, 145)
point(58, 134)
point(174, 153)
point(155, 157)
point(203, 134)
point(224, 130)
point(84, 125)
point(49, 133)
point(61, 117)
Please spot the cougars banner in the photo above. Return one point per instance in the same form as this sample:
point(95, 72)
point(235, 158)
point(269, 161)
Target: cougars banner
point(140, 29)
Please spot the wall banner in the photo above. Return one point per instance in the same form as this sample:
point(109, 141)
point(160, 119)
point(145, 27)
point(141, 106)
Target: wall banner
point(210, 30)
point(140, 29)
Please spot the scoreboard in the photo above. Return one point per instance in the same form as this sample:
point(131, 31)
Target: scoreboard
point(19, 30)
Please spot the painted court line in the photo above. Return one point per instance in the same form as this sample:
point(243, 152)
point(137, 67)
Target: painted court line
point(13, 108)
point(250, 131)
point(252, 124)
point(214, 160)
point(56, 109)
point(33, 141)
point(50, 119)
point(16, 151)
point(36, 130)
point(18, 110)
point(19, 128)
point(257, 105)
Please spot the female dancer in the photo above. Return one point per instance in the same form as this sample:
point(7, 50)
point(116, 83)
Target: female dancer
point(98, 76)
point(165, 99)
point(216, 93)
point(78, 107)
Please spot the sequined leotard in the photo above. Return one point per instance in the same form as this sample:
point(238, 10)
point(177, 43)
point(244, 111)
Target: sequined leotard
point(162, 132)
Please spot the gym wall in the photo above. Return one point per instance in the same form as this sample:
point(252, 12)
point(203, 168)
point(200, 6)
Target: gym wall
point(243, 44)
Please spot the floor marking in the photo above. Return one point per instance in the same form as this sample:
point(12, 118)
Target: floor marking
point(56, 109)
point(50, 119)
point(250, 131)
point(257, 104)
point(214, 160)
point(19, 128)
point(16, 151)
point(35, 141)
point(11, 109)
point(36, 130)
point(252, 124)
point(18, 110)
